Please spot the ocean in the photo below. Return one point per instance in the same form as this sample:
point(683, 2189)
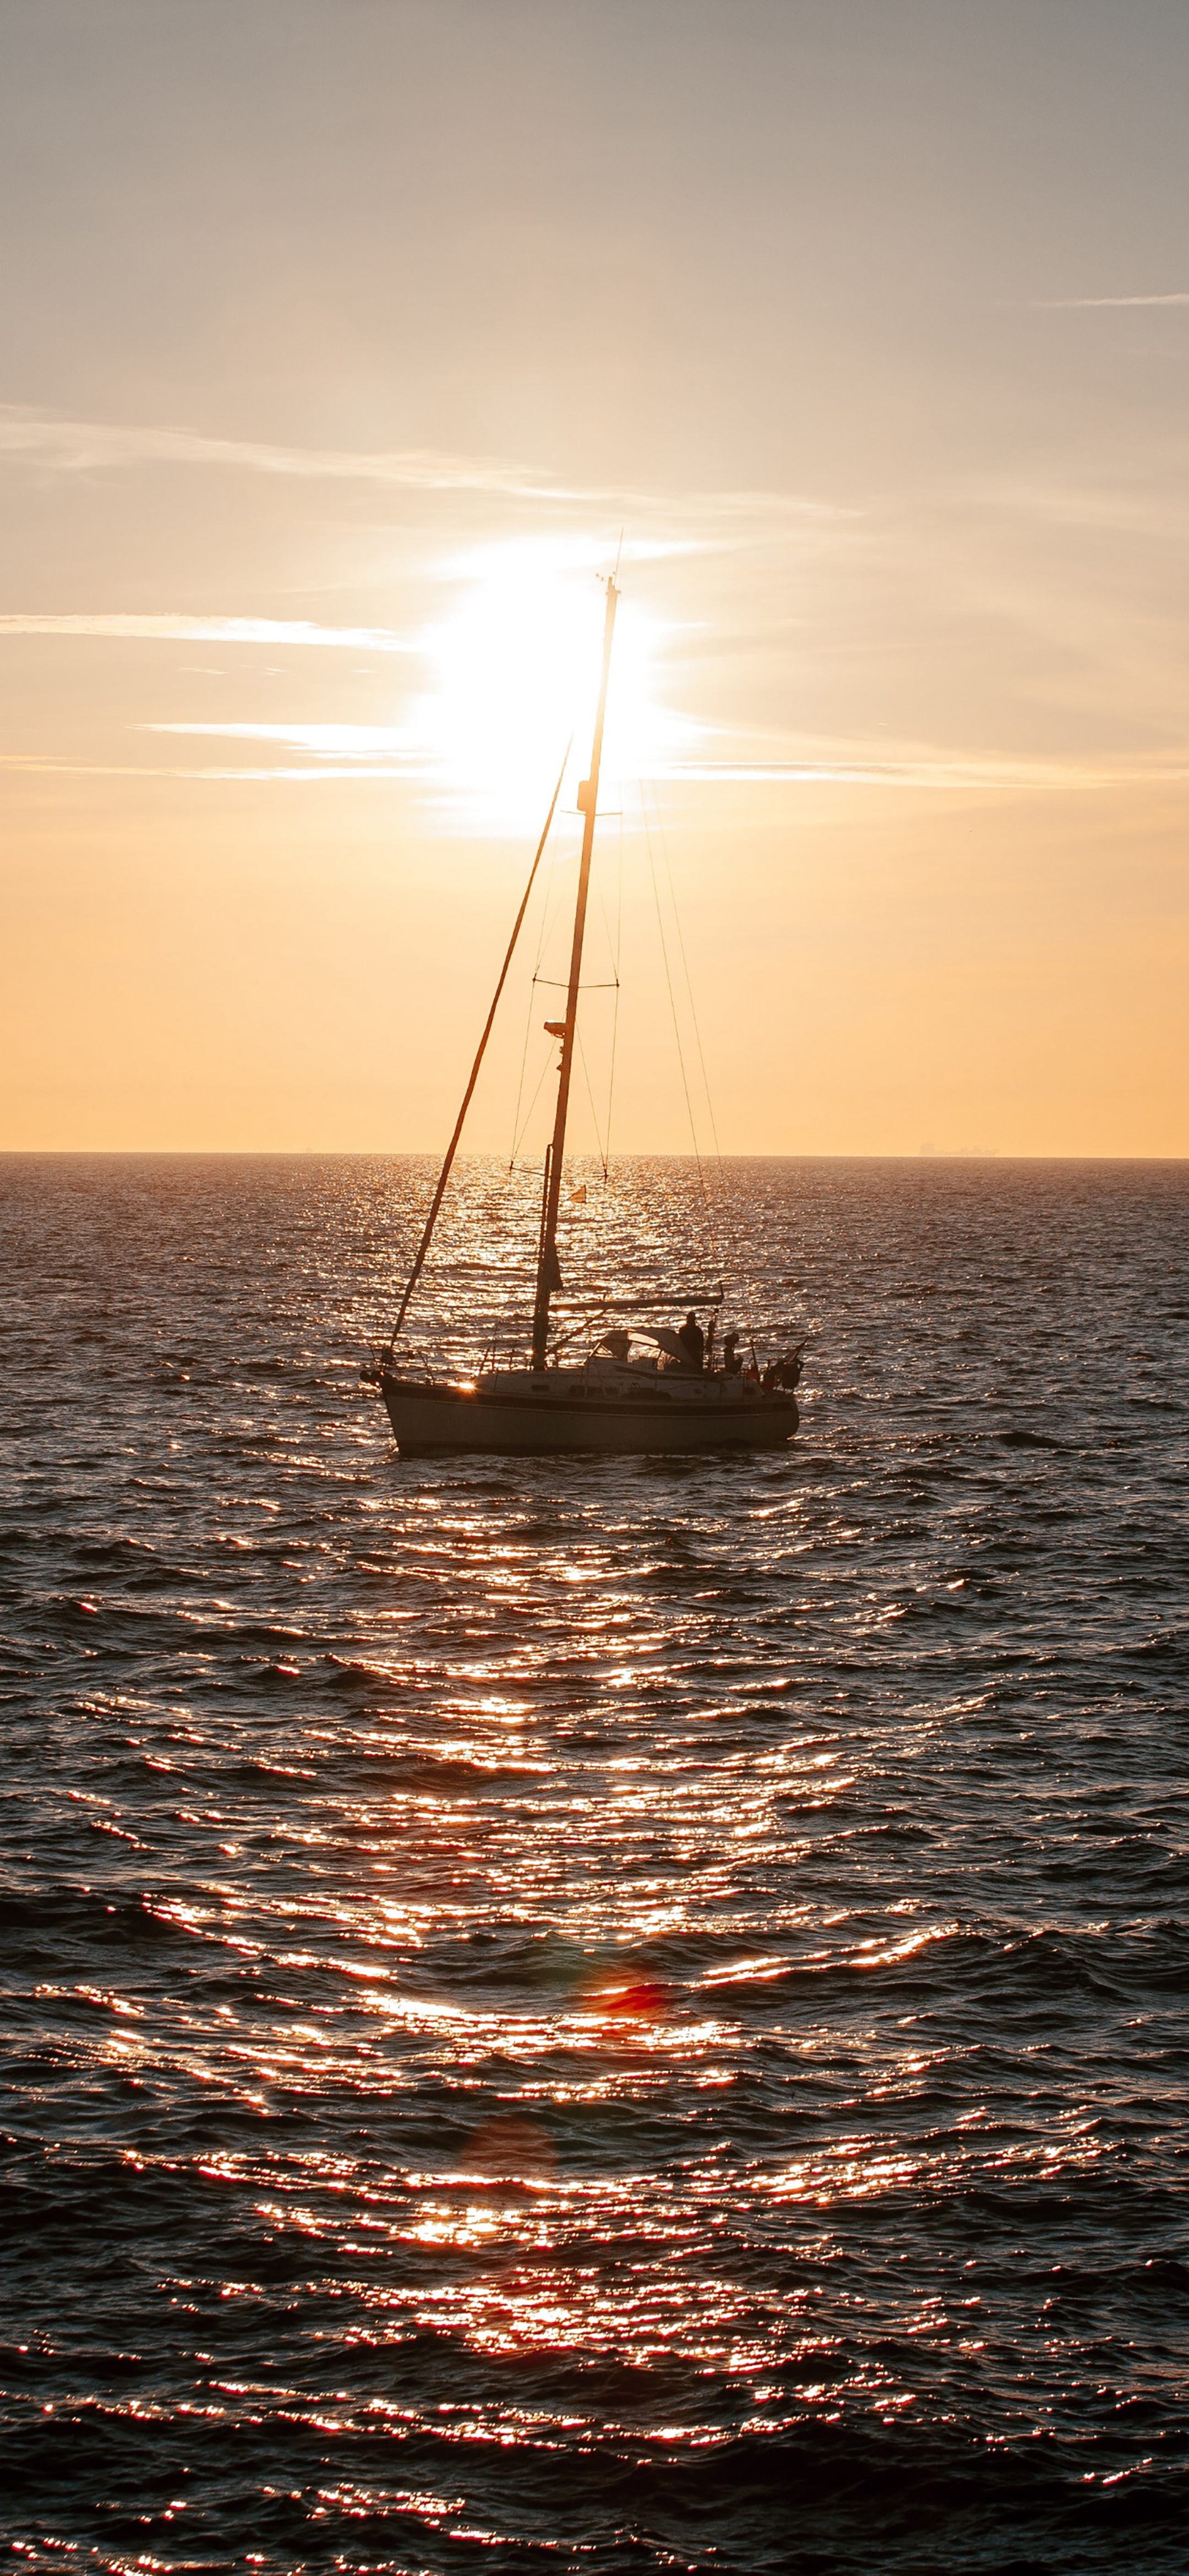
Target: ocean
point(592, 2014)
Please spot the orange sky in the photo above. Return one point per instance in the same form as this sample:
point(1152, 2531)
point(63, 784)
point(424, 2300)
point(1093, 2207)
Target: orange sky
point(343, 341)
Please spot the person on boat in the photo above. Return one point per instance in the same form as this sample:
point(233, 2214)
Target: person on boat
point(731, 1356)
point(693, 1342)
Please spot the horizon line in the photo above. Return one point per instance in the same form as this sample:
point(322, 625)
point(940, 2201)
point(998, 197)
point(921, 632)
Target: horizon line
point(643, 1153)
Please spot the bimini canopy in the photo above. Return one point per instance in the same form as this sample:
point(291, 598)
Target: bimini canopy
point(641, 1343)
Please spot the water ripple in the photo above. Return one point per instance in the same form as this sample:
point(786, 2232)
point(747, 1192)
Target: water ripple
point(620, 2014)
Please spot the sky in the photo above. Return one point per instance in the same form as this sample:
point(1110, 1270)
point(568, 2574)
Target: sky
point(350, 344)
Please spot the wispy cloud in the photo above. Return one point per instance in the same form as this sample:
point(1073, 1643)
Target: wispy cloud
point(322, 741)
point(811, 764)
point(76, 446)
point(934, 771)
point(1104, 303)
point(839, 760)
point(383, 751)
point(39, 764)
point(177, 629)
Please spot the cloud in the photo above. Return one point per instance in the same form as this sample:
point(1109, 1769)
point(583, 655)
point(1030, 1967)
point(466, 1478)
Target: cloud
point(1104, 303)
point(913, 770)
point(38, 765)
point(177, 629)
point(324, 741)
point(385, 751)
point(806, 761)
point(76, 446)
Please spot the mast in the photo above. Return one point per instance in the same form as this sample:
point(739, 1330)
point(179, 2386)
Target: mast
point(548, 1272)
point(452, 1147)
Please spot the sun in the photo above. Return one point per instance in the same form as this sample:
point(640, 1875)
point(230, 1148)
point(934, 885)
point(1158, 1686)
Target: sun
point(517, 670)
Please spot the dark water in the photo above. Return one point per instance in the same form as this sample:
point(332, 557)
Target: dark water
point(595, 2015)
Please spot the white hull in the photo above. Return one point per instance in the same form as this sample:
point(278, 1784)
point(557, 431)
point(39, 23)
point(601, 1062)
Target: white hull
point(516, 1413)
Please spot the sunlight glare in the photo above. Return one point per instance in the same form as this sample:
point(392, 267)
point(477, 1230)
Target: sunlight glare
point(517, 672)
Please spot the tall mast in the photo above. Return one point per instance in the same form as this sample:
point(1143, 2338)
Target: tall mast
point(452, 1147)
point(548, 1273)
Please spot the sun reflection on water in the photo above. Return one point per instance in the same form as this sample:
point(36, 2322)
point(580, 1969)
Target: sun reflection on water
point(490, 2041)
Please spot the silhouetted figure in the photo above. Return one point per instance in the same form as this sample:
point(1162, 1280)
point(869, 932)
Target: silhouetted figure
point(693, 1342)
point(731, 1360)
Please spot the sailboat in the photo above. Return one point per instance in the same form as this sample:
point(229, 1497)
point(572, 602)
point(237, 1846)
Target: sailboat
point(637, 1389)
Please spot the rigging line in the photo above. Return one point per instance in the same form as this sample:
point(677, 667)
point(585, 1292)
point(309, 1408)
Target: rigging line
point(693, 1008)
point(548, 917)
point(591, 1315)
point(550, 911)
point(528, 1030)
point(613, 943)
point(656, 896)
point(611, 1085)
point(612, 951)
point(615, 1012)
point(723, 1196)
point(550, 908)
point(590, 1096)
point(544, 926)
point(452, 1147)
point(619, 903)
point(604, 1151)
point(517, 1141)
